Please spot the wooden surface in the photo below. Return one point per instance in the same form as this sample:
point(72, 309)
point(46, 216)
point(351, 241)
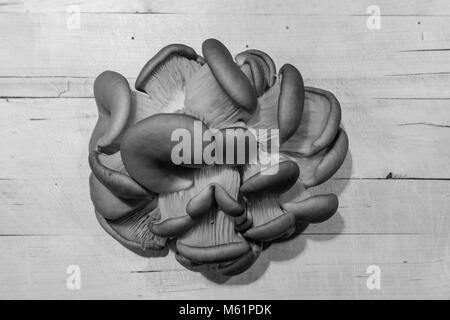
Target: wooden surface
point(394, 187)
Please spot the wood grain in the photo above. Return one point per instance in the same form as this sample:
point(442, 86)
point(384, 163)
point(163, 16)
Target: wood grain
point(341, 47)
point(249, 7)
point(379, 223)
point(384, 139)
point(293, 270)
point(393, 85)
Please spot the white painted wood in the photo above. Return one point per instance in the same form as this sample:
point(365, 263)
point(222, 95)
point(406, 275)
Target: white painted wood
point(407, 87)
point(308, 267)
point(407, 138)
point(61, 206)
point(379, 223)
point(393, 85)
point(339, 47)
point(268, 7)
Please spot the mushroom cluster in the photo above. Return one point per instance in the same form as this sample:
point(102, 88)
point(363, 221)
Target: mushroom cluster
point(220, 214)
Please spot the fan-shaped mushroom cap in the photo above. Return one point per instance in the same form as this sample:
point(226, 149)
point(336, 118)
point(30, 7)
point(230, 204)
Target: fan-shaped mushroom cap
point(113, 97)
point(148, 149)
point(228, 74)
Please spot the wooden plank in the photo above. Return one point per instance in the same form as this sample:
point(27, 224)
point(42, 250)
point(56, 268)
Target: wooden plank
point(392, 84)
point(429, 86)
point(269, 7)
point(407, 138)
point(379, 223)
point(41, 44)
point(62, 206)
point(46, 87)
point(323, 267)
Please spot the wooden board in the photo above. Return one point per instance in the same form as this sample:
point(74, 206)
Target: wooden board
point(339, 47)
point(394, 186)
point(249, 7)
point(383, 138)
point(378, 223)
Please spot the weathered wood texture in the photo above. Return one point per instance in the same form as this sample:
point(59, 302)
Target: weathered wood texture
point(253, 7)
point(394, 88)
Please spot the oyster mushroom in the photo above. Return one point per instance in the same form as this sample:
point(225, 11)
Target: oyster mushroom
point(308, 121)
point(217, 213)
